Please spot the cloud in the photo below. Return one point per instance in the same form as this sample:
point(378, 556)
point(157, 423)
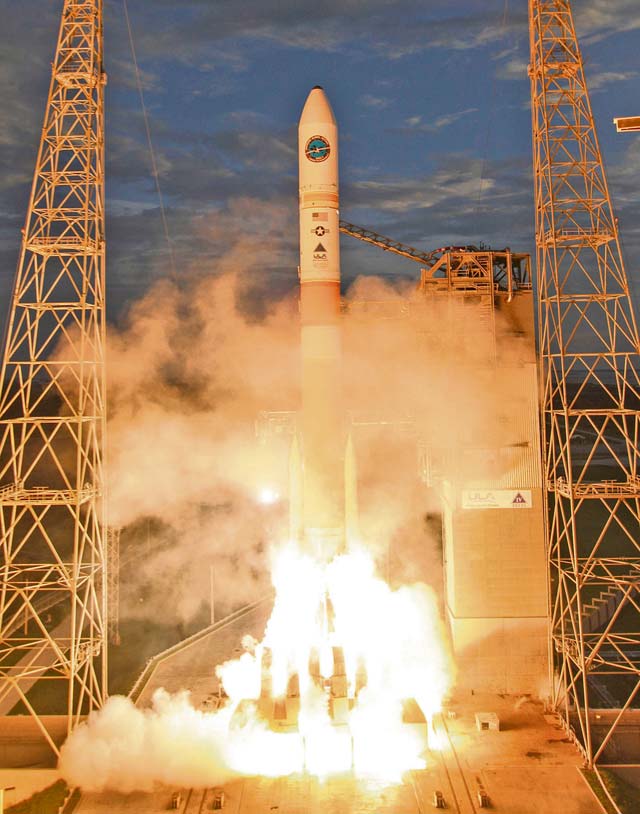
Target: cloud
point(375, 102)
point(417, 125)
point(517, 68)
point(597, 81)
point(456, 178)
point(123, 68)
point(597, 19)
point(328, 28)
point(513, 69)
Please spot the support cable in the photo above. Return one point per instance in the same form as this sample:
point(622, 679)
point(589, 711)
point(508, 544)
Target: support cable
point(154, 163)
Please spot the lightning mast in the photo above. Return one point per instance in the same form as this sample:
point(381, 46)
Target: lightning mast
point(590, 379)
point(52, 403)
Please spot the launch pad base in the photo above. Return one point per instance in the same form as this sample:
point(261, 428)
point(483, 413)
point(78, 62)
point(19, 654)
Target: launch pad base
point(528, 766)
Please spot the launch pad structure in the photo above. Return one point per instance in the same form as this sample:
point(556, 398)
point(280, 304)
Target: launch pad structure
point(547, 497)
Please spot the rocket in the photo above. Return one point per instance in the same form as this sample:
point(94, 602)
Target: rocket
point(323, 510)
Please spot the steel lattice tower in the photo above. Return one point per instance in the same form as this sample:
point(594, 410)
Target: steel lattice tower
point(52, 402)
point(590, 383)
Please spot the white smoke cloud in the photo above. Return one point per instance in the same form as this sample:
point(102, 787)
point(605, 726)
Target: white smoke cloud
point(189, 372)
point(130, 749)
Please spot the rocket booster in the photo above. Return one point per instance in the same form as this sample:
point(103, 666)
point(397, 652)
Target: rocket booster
point(322, 513)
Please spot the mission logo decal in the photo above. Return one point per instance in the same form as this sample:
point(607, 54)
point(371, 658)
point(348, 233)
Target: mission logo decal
point(317, 149)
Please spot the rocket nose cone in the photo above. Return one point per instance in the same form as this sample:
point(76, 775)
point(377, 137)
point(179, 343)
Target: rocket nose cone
point(317, 109)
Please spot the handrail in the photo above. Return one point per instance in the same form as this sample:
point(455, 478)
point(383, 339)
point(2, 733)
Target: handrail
point(155, 661)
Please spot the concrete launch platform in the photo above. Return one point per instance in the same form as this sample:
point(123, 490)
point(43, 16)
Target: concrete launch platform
point(526, 767)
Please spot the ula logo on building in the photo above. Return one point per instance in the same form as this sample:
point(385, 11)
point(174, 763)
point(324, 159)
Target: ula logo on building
point(317, 149)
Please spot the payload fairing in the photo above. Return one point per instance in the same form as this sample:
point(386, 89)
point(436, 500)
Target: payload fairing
point(325, 508)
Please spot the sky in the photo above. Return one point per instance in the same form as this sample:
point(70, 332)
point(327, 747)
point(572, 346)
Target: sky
point(431, 98)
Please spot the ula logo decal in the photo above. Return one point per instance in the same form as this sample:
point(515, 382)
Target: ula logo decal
point(317, 149)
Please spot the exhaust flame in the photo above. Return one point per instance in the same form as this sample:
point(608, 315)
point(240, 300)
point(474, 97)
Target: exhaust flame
point(326, 691)
point(345, 654)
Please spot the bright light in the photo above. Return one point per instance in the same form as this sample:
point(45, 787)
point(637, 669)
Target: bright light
point(341, 656)
point(437, 739)
point(268, 496)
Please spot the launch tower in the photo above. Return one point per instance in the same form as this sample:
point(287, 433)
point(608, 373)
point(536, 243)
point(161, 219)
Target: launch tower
point(590, 368)
point(52, 402)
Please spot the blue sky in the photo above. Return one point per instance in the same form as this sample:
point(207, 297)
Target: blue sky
point(432, 101)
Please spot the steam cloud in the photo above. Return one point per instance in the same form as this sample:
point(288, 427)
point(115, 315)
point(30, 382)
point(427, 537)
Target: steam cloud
point(130, 749)
point(189, 372)
point(188, 376)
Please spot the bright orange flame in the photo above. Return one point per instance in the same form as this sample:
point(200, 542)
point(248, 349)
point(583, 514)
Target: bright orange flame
point(342, 659)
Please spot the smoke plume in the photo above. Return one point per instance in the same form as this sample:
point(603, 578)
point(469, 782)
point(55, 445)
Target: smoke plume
point(129, 749)
point(190, 372)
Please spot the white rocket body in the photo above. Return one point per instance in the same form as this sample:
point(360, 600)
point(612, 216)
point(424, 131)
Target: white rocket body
point(322, 426)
